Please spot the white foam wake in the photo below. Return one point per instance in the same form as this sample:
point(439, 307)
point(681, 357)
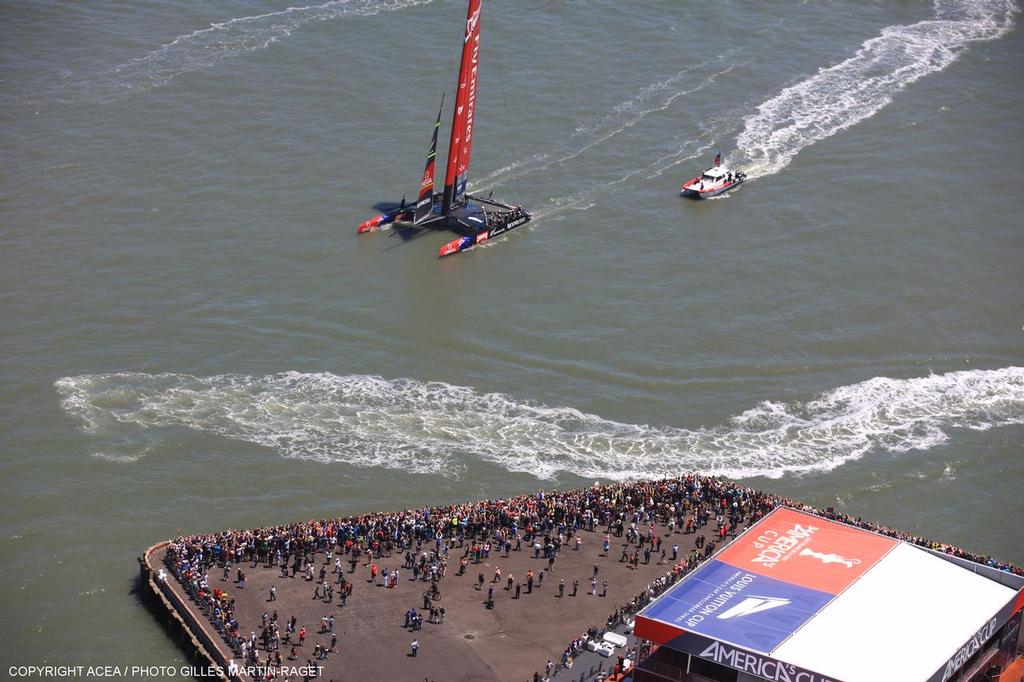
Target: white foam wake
point(650, 99)
point(440, 428)
point(588, 197)
point(206, 47)
point(842, 95)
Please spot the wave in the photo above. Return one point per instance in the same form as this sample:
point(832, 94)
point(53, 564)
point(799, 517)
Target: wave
point(206, 47)
point(433, 427)
point(842, 95)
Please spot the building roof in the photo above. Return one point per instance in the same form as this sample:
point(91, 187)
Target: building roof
point(838, 601)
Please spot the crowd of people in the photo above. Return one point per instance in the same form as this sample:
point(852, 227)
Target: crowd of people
point(544, 521)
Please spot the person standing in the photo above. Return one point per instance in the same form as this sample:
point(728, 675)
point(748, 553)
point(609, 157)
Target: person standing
point(561, 588)
point(593, 585)
point(575, 586)
point(415, 646)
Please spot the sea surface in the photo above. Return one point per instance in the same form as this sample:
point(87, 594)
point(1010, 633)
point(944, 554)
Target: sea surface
point(194, 338)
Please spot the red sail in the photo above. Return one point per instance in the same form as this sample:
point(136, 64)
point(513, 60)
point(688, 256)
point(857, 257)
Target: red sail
point(461, 143)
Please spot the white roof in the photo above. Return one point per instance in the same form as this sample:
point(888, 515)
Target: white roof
point(716, 171)
point(906, 616)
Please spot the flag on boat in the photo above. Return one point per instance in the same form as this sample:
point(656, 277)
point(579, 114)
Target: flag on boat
point(718, 159)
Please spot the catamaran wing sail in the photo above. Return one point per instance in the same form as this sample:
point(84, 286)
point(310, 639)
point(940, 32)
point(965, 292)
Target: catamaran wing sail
point(477, 219)
point(425, 200)
point(461, 143)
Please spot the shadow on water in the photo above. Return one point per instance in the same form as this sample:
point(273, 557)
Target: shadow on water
point(406, 234)
point(388, 206)
point(167, 622)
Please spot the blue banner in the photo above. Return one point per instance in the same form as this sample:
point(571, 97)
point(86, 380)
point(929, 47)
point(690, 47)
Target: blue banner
point(747, 609)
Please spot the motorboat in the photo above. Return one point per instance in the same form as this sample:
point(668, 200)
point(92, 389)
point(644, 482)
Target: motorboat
point(712, 182)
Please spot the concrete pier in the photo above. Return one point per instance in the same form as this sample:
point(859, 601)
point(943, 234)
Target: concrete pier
point(510, 641)
point(181, 615)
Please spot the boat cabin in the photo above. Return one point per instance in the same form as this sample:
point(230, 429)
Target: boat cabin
point(715, 174)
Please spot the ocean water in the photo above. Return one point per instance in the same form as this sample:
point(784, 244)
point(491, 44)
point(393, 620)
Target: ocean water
point(194, 337)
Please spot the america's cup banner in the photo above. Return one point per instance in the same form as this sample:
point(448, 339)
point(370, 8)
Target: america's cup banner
point(808, 551)
point(465, 101)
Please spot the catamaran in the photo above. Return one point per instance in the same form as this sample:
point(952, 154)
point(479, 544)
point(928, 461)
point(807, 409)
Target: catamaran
point(477, 219)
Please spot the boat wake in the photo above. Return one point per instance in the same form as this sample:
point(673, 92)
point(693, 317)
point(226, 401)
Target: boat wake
point(650, 99)
point(206, 47)
point(842, 95)
point(440, 428)
point(587, 198)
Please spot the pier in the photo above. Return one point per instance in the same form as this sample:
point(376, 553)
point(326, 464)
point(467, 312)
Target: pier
point(509, 641)
point(614, 534)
